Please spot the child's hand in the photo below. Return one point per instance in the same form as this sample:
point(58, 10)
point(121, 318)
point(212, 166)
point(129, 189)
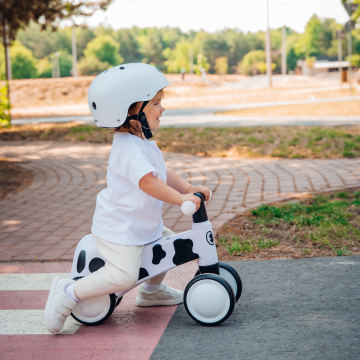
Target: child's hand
point(201, 189)
point(189, 197)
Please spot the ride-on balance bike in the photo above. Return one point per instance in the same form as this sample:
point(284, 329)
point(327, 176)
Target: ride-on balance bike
point(209, 298)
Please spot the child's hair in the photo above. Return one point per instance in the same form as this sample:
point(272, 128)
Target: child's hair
point(127, 127)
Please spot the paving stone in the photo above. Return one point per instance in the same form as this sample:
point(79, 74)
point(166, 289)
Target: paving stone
point(63, 231)
point(56, 212)
point(23, 245)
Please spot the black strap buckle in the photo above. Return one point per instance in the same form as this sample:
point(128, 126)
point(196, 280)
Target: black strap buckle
point(141, 117)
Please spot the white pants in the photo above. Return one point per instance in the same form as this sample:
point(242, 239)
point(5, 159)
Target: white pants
point(121, 270)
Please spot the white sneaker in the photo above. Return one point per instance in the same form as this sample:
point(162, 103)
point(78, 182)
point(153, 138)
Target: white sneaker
point(59, 306)
point(163, 295)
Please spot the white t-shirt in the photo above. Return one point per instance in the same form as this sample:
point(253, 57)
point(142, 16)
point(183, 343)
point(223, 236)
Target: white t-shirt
point(124, 214)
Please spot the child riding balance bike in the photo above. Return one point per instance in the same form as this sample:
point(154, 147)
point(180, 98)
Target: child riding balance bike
point(128, 244)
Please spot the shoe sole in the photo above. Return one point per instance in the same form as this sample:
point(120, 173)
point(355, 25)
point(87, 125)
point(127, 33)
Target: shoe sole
point(145, 303)
point(54, 282)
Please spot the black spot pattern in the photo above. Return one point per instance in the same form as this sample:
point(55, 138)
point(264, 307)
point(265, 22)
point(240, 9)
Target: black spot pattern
point(81, 262)
point(143, 273)
point(96, 264)
point(158, 254)
point(183, 251)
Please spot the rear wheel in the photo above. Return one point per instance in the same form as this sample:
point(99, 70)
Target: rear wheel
point(95, 311)
point(209, 299)
point(228, 273)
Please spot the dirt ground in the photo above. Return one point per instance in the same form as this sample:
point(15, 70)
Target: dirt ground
point(348, 108)
point(244, 226)
point(13, 178)
point(33, 98)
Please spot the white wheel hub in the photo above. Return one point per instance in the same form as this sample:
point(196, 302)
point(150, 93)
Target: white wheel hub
point(226, 274)
point(92, 310)
point(208, 301)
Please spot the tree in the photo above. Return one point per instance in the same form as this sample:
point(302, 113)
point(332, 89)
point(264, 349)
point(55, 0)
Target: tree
point(255, 61)
point(4, 108)
point(251, 60)
point(201, 63)
point(221, 65)
point(23, 64)
point(129, 45)
point(92, 66)
point(105, 49)
point(44, 68)
point(178, 58)
point(309, 42)
point(16, 14)
point(355, 60)
point(65, 63)
point(150, 47)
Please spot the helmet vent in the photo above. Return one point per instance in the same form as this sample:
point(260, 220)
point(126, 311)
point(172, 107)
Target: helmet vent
point(105, 70)
point(94, 106)
point(158, 70)
point(121, 68)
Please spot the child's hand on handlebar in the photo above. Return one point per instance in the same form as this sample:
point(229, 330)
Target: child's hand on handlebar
point(200, 189)
point(192, 198)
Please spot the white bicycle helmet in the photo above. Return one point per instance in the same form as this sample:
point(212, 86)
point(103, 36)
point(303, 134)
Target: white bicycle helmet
point(113, 91)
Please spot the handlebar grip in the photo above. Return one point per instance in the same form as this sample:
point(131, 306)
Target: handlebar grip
point(188, 208)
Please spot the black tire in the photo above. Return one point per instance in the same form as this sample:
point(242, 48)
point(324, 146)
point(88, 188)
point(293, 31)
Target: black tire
point(226, 267)
point(118, 301)
point(194, 289)
point(111, 305)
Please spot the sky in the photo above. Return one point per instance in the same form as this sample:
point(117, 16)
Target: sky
point(211, 15)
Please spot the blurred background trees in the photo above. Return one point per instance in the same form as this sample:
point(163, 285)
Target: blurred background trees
point(169, 49)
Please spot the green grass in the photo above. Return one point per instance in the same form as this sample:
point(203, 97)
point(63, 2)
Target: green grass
point(240, 246)
point(326, 222)
point(294, 142)
point(330, 221)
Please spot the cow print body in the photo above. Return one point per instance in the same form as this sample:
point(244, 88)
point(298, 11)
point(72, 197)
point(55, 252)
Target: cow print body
point(158, 254)
point(183, 251)
point(81, 261)
point(157, 257)
point(143, 273)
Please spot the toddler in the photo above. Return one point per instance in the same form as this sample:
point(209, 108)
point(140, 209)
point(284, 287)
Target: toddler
point(128, 211)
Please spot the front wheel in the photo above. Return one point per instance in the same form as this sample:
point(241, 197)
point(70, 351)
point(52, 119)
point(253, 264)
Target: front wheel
point(209, 299)
point(228, 273)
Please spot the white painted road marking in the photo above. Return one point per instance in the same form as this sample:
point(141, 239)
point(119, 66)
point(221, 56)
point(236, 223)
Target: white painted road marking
point(28, 281)
point(30, 322)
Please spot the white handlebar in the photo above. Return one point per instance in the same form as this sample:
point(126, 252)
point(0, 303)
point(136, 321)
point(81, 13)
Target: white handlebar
point(188, 208)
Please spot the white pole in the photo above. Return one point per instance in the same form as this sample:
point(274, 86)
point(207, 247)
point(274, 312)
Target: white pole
point(268, 48)
point(74, 53)
point(56, 66)
point(340, 55)
point(283, 52)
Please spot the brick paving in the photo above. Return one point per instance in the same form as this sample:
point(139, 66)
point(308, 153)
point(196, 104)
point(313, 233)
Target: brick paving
point(46, 220)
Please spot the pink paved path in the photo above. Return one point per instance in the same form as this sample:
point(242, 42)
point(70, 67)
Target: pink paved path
point(131, 332)
point(46, 220)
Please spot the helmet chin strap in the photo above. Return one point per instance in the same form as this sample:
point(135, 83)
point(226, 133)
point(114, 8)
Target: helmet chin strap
point(141, 117)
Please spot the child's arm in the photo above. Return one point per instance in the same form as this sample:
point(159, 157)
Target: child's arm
point(156, 188)
point(178, 183)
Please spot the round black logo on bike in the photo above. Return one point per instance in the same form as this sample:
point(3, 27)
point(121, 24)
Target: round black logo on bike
point(210, 237)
